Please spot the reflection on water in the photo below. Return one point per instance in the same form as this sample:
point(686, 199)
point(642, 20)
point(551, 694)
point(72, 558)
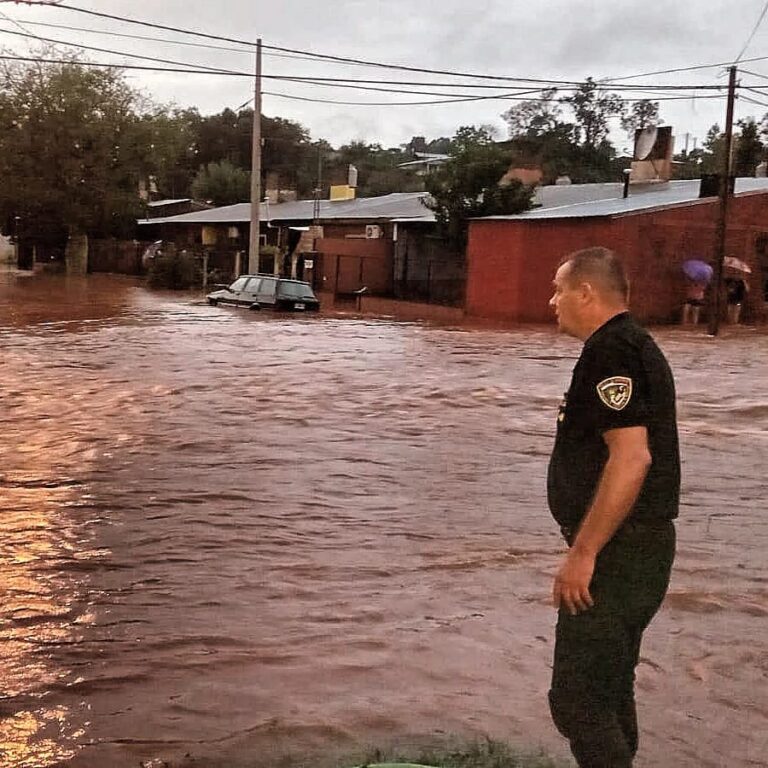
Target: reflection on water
point(241, 535)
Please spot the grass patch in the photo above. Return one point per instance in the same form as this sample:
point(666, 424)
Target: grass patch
point(487, 754)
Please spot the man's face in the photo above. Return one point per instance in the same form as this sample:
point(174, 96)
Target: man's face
point(567, 301)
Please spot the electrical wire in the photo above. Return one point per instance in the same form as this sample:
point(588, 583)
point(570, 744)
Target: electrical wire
point(754, 101)
point(362, 62)
point(13, 21)
point(754, 74)
point(116, 53)
point(326, 57)
point(752, 33)
point(340, 82)
point(166, 40)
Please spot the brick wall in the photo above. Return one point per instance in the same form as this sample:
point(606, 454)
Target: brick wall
point(510, 264)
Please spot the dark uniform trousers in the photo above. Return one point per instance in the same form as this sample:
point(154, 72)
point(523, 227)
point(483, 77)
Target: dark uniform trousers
point(592, 696)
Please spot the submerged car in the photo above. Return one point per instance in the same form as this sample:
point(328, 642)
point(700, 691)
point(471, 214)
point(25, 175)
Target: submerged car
point(267, 292)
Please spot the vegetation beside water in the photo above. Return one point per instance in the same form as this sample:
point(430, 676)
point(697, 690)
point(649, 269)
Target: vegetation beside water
point(488, 754)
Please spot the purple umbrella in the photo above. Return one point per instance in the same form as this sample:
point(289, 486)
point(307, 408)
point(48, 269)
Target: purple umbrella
point(698, 271)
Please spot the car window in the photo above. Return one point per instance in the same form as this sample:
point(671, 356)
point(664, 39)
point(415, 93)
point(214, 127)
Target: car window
point(268, 285)
point(296, 291)
point(239, 284)
point(253, 285)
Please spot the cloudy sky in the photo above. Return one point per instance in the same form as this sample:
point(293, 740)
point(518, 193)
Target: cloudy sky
point(542, 39)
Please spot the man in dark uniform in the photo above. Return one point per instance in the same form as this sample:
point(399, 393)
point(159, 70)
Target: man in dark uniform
point(613, 487)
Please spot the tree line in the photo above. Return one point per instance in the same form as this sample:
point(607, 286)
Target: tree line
point(78, 144)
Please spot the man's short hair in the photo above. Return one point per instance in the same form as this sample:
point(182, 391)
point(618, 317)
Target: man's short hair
point(598, 265)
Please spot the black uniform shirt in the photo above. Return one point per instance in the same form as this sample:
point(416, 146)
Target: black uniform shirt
point(622, 379)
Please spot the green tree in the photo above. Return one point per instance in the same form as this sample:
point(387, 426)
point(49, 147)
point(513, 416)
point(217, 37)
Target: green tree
point(688, 164)
point(377, 169)
point(593, 108)
point(749, 148)
point(713, 151)
point(534, 117)
point(288, 157)
point(171, 160)
point(222, 184)
point(468, 185)
point(71, 151)
point(643, 113)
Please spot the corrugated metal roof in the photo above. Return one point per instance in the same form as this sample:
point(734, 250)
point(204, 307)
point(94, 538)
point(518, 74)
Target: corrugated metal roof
point(398, 205)
point(594, 200)
point(160, 203)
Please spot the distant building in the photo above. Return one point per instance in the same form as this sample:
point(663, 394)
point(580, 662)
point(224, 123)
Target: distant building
point(425, 163)
point(386, 244)
point(162, 208)
point(511, 259)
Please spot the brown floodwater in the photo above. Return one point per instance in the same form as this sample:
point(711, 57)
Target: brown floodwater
point(238, 536)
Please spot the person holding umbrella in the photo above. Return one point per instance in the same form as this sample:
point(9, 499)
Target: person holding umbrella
point(698, 276)
point(736, 287)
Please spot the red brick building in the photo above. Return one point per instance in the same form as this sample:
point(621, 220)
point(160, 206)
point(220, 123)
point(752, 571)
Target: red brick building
point(511, 260)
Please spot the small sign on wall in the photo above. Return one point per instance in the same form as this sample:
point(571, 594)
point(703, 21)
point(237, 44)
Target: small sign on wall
point(309, 264)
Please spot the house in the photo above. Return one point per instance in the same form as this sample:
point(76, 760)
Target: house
point(425, 162)
point(511, 259)
point(160, 208)
point(338, 245)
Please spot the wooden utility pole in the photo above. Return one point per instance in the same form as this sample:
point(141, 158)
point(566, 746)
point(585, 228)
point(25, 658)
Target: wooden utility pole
point(253, 244)
point(722, 220)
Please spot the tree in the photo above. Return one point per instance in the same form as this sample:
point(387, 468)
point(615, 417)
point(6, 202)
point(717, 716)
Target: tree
point(714, 151)
point(171, 159)
point(688, 164)
point(222, 184)
point(288, 157)
point(71, 151)
point(377, 169)
point(643, 113)
point(468, 185)
point(534, 117)
point(749, 148)
point(593, 107)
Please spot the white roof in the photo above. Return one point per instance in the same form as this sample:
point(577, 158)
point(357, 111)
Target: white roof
point(160, 203)
point(593, 200)
point(398, 205)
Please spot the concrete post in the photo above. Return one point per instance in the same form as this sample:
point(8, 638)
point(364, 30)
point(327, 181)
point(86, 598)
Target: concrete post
point(76, 255)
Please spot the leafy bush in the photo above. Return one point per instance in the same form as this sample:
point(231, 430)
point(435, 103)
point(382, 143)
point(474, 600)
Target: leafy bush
point(174, 270)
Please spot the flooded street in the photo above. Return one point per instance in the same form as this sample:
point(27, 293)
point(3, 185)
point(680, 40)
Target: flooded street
point(238, 536)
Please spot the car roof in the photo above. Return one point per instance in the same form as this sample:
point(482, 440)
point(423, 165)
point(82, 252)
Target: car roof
point(275, 277)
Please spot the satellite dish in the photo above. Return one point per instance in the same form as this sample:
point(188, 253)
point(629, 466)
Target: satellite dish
point(644, 142)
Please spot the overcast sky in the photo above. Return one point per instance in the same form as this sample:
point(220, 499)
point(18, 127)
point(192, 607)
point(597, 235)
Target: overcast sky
point(557, 39)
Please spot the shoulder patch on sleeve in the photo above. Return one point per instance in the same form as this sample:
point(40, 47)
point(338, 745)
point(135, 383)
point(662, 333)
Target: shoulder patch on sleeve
point(615, 392)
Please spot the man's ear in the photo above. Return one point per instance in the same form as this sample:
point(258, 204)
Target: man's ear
point(587, 291)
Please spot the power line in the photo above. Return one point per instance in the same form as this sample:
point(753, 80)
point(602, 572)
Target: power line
point(615, 86)
point(753, 32)
point(753, 90)
point(363, 62)
point(7, 57)
point(164, 40)
point(676, 69)
point(13, 21)
point(754, 101)
point(143, 68)
point(341, 81)
point(327, 57)
point(108, 50)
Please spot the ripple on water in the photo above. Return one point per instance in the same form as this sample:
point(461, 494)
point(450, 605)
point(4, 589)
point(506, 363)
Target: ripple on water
point(225, 531)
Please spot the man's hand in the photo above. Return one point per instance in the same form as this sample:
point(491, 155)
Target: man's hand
point(571, 588)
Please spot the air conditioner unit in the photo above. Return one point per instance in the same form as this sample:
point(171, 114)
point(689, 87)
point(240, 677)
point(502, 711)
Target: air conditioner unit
point(373, 232)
